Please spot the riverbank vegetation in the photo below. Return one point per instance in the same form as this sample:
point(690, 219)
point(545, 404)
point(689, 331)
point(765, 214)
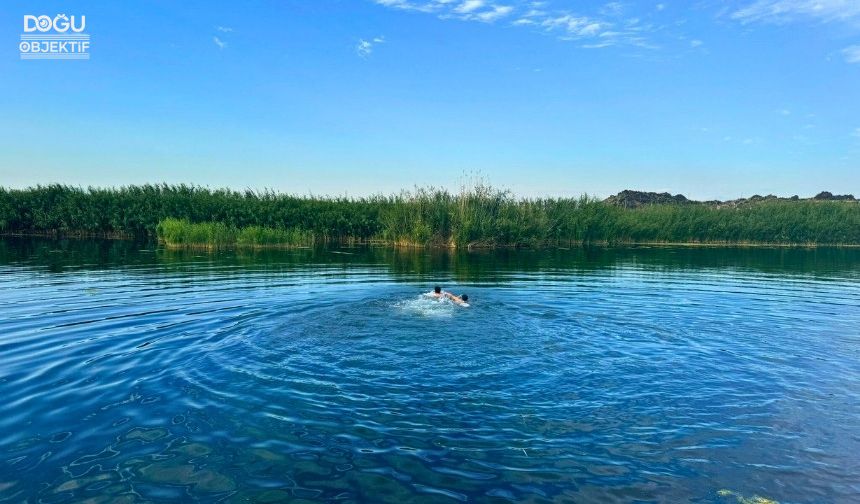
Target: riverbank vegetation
point(479, 216)
point(176, 233)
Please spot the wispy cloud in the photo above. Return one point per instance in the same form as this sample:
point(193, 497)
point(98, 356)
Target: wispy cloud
point(224, 29)
point(856, 133)
point(851, 54)
point(364, 48)
point(576, 26)
point(467, 10)
point(469, 6)
point(612, 9)
point(220, 43)
point(782, 11)
point(474, 10)
point(497, 12)
point(431, 6)
point(607, 25)
point(845, 12)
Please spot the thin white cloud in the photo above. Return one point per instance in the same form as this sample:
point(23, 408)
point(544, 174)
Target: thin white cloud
point(220, 43)
point(469, 6)
point(432, 6)
point(660, 6)
point(364, 48)
point(224, 29)
point(851, 54)
point(612, 9)
point(856, 133)
point(467, 10)
point(573, 25)
point(782, 11)
point(696, 43)
point(846, 12)
point(528, 18)
point(599, 31)
point(497, 12)
point(608, 25)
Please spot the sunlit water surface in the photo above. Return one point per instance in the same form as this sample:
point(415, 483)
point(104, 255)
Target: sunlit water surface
point(653, 375)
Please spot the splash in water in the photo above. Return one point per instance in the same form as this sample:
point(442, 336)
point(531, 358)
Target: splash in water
point(427, 306)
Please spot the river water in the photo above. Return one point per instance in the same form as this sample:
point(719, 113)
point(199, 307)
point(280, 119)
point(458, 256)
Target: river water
point(131, 374)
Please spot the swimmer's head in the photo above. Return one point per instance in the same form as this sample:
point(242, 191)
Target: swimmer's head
point(437, 289)
point(464, 297)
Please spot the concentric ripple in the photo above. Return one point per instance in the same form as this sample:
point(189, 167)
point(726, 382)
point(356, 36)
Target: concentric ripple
point(660, 376)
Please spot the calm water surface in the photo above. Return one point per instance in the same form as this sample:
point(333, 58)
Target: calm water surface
point(132, 374)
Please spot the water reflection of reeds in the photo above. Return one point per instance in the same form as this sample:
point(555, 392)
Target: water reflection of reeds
point(464, 266)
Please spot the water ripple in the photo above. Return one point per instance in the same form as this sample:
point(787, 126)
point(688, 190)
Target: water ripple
point(208, 380)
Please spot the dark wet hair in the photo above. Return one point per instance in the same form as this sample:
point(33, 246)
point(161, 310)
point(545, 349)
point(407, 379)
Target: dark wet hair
point(464, 297)
point(437, 289)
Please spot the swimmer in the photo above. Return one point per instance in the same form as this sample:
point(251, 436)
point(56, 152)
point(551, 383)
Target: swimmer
point(460, 300)
point(439, 294)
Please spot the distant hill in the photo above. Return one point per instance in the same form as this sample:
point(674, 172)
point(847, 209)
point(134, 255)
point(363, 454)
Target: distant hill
point(636, 199)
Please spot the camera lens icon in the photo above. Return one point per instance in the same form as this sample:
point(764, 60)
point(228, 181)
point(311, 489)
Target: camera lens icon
point(44, 23)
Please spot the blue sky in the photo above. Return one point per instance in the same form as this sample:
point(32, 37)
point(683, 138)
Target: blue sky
point(712, 99)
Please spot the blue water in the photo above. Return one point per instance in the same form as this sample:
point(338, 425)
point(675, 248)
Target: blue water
point(131, 374)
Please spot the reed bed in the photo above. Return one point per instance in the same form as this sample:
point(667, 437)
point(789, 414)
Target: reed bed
point(476, 216)
point(180, 233)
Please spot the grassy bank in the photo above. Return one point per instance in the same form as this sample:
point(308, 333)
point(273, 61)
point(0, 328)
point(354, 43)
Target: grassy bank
point(186, 216)
point(176, 233)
